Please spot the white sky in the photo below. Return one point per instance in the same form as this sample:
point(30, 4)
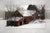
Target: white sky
point(21, 2)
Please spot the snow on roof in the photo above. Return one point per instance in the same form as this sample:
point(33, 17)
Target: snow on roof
point(14, 18)
point(27, 12)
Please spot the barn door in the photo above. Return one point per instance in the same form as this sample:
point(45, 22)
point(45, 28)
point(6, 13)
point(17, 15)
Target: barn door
point(20, 22)
point(24, 21)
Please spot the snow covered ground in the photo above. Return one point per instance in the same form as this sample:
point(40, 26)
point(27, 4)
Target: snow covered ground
point(4, 29)
point(32, 24)
point(29, 28)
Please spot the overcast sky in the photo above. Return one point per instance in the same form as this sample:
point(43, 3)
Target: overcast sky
point(22, 2)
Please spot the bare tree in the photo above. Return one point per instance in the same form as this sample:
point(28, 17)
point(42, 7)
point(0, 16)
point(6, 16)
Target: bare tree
point(10, 7)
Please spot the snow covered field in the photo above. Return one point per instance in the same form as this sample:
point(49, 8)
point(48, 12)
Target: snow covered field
point(23, 29)
point(32, 24)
